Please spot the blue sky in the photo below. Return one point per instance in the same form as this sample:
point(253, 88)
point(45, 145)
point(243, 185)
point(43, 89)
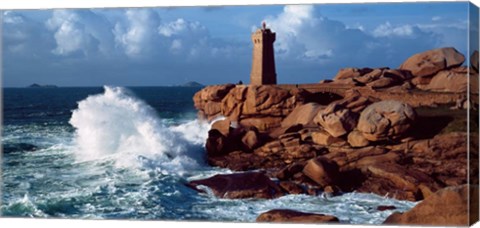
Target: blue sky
point(211, 45)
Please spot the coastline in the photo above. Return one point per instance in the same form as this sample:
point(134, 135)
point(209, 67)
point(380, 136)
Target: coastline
point(392, 132)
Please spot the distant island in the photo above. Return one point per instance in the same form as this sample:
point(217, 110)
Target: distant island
point(35, 85)
point(192, 84)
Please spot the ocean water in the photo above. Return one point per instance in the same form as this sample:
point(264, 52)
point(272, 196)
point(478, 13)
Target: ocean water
point(126, 153)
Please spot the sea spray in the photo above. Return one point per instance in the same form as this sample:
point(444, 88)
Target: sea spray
point(116, 126)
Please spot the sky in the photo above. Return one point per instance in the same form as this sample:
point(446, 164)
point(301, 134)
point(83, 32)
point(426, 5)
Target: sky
point(211, 45)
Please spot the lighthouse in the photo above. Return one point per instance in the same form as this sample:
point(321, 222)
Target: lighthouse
point(263, 60)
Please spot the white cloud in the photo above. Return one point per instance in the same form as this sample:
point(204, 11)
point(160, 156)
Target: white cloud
point(69, 34)
point(11, 18)
point(188, 37)
point(387, 29)
point(301, 34)
point(80, 31)
point(137, 35)
point(436, 18)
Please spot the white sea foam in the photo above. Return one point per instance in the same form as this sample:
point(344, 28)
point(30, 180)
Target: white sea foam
point(118, 126)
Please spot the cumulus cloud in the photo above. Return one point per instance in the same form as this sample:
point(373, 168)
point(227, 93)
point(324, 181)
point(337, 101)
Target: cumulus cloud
point(23, 36)
point(316, 41)
point(185, 36)
point(308, 43)
point(80, 31)
point(137, 35)
point(387, 29)
point(304, 35)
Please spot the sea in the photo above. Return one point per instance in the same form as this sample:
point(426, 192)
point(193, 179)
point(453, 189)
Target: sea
point(127, 153)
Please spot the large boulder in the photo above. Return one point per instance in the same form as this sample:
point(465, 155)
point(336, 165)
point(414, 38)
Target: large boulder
point(430, 62)
point(336, 119)
point(239, 185)
point(349, 73)
point(372, 76)
point(421, 82)
point(321, 170)
point(302, 114)
point(356, 139)
point(216, 144)
point(449, 81)
point(262, 123)
point(215, 93)
point(324, 138)
point(232, 103)
point(223, 126)
point(386, 120)
point(380, 83)
point(446, 207)
point(268, 100)
point(285, 215)
point(251, 140)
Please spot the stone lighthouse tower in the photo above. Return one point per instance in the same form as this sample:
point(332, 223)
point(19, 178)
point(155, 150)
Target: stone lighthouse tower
point(263, 63)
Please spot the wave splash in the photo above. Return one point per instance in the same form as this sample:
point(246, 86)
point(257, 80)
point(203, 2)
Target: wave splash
point(116, 126)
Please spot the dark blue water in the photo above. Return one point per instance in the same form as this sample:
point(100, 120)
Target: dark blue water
point(54, 105)
point(116, 153)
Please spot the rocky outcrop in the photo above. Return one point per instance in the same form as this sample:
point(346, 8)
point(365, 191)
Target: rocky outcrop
point(263, 107)
point(356, 139)
point(239, 185)
point(336, 120)
point(321, 170)
point(436, 70)
point(302, 114)
point(386, 120)
point(446, 207)
point(289, 216)
point(378, 78)
point(454, 80)
point(431, 62)
point(370, 139)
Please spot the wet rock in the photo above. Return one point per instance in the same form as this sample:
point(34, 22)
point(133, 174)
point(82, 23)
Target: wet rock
point(290, 187)
point(332, 190)
point(386, 207)
point(251, 140)
point(239, 185)
point(285, 215)
point(386, 120)
point(289, 171)
point(430, 62)
point(216, 144)
point(223, 126)
point(321, 170)
point(397, 181)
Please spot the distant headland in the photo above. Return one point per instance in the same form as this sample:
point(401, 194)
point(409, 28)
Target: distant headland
point(192, 84)
point(35, 85)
